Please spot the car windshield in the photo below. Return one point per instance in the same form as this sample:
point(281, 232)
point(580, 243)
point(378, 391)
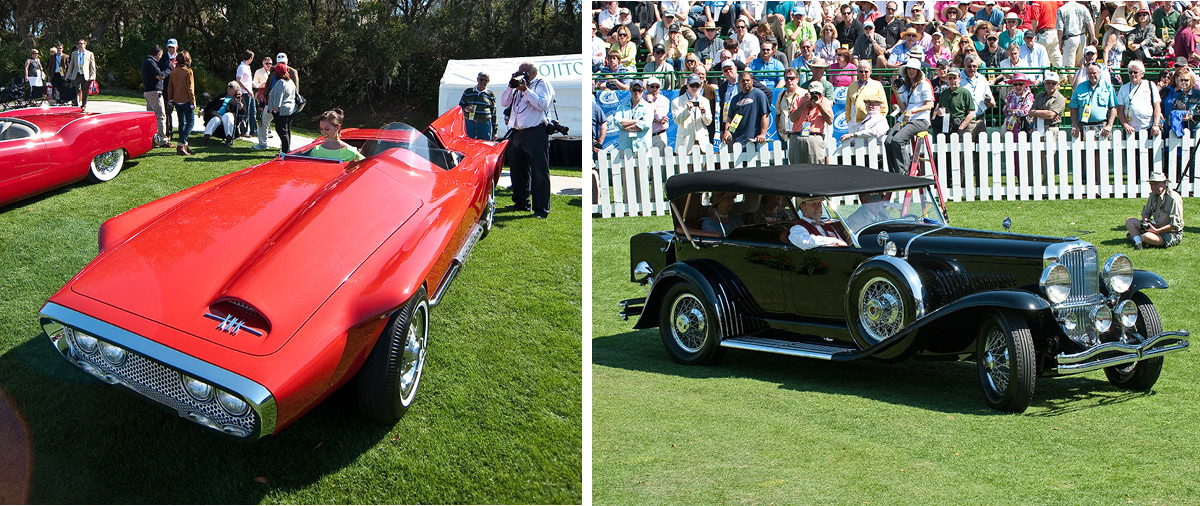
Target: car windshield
point(425, 145)
point(863, 210)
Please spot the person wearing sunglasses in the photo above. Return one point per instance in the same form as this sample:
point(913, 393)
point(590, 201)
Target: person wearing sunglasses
point(863, 89)
point(661, 106)
point(848, 27)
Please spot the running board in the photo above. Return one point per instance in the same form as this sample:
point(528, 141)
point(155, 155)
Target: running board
point(456, 264)
point(795, 349)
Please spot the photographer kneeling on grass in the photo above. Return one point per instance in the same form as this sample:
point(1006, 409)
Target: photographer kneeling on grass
point(1161, 223)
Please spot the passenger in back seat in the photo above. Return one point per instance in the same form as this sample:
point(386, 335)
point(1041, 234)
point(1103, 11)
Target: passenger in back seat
point(720, 219)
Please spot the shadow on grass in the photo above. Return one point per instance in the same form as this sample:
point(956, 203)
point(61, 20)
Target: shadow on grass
point(946, 386)
point(116, 447)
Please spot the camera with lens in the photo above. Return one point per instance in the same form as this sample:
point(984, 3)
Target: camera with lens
point(518, 80)
point(554, 127)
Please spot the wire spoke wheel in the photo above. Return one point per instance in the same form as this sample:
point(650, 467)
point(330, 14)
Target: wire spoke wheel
point(1006, 360)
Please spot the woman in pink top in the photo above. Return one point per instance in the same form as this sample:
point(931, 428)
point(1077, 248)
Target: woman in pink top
point(842, 73)
point(937, 51)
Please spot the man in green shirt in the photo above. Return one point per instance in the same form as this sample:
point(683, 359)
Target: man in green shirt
point(955, 107)
point(1166, 21)
point(795, 31)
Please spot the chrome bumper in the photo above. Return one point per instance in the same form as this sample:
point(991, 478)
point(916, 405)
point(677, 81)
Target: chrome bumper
point(153, 370)
point(631, 307)
point(1112, 354)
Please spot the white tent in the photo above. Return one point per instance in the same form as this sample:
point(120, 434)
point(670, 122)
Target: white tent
point(565, 73)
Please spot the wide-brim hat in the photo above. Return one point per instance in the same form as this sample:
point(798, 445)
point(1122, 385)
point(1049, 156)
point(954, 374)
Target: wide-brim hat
point(950, 28)
point(1158, 177)
point(918, 20)
point(1120, 24)
point(1019, 78)
point(818, 62)
point(709, 25)
point(1013, 16)
point(912, 63)
point(909, 31)
point(982, 24)
point(948, 8)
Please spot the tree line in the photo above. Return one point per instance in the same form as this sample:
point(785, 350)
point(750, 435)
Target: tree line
point(349, 52)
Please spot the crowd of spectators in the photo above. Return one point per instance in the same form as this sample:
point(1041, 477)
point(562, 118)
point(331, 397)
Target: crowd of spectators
point(951, 66)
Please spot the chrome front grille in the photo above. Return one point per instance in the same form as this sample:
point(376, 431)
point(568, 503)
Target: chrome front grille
point(1084, 266)
point(161, 383)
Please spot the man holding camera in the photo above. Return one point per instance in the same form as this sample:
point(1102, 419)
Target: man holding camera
point(528, 151)
point(1161, 223)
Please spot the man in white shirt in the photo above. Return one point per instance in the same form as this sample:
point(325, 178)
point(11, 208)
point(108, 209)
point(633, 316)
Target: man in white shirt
point(245, 80)
point(260, 83)
point(692, 117)
point(978, 85)
point(1138, 102)
point(810, 231)
point(528, 151)
point(1076, 30)
point(662, 112)
point(748, 45)
point(1032, 53)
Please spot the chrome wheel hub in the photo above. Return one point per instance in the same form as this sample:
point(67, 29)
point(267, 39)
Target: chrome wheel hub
point(881, 309)
point(412, 360)
point(108, 162)
point(996, 361)
point(689, 326)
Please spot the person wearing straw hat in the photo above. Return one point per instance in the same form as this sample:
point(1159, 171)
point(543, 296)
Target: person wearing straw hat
point(810, 115)
point(915, 101)
point(810, 230)
point(1142, 41)
point(1161, 222)
point(871, 130)
point(818, 67)
point(1012, 33)
point(861, 90)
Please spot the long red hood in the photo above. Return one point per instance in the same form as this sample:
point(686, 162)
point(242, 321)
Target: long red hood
point(280, 238)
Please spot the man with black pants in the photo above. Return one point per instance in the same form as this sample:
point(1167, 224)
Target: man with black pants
point(165, 65)
point(528, 151)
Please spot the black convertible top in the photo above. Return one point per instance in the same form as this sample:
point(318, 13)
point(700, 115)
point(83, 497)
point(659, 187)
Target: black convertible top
point(804, 180)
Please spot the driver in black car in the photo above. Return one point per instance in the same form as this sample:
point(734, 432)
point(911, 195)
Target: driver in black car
point(810, 231)
point(874, 209)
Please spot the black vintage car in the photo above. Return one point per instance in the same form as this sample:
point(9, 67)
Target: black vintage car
point(905, 285)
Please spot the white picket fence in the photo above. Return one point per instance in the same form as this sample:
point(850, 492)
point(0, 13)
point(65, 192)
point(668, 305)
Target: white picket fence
point(996, 167)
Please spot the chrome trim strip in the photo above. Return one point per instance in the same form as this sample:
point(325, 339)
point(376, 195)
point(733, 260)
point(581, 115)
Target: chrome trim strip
point(1082, 361)
point(54, 316)
point(920, 235)
point(460, 258)
point(780, 347)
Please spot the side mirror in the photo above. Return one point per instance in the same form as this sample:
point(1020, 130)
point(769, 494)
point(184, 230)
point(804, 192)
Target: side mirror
point(1007, 223)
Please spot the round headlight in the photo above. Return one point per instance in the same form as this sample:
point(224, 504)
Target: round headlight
point(1118, 273)
point(1056, 283)
point(1128, 313)
point(86, 343)
point(231, 403)
point(112, 353)
point(889, 249)
point(199, 390)
point(1102, 318)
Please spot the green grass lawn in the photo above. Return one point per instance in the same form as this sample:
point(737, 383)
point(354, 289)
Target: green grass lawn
point(498, 418)
point(766, 429)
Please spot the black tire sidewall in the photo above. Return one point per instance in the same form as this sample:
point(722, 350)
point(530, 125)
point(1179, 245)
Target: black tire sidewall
point(377, 389)
point(1021, 358)
point(708, 351)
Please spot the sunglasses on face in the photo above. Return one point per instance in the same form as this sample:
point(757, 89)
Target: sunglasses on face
point(694, 85)
point(741, 27)
point(622, 35)
point(653, 87)
point(791, 78)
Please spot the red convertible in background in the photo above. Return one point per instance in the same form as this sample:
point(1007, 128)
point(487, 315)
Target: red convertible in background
point(243, 302)
point(44, 148)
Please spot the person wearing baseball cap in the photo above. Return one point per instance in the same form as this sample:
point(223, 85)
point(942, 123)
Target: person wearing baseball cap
point(692, 114)
point(634, 119)
point(165, 65)
point(1089, 57)
point(810, 115)
point(264, 125)
point(956, 105)
point(1049, 104)
point(1161, 222)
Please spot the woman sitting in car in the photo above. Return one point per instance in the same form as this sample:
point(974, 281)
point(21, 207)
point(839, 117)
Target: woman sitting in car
point(720, 217)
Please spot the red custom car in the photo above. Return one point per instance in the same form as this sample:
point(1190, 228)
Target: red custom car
point(47, 147)
point(243, 302)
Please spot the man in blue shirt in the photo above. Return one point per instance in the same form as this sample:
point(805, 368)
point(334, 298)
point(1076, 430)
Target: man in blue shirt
point(612, 65)
point(1093, 105)
point(772, 75)
point(634, 119)
point(749, 114)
